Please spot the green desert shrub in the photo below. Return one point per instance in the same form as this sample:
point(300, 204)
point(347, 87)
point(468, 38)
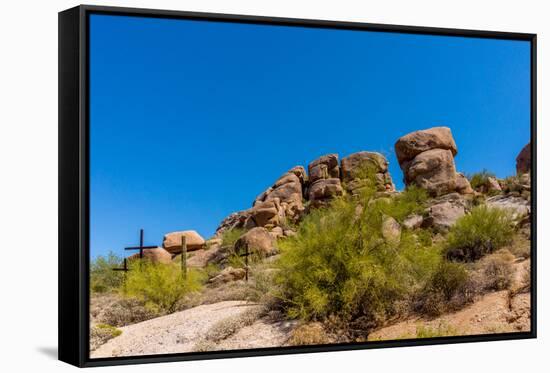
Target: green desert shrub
point(479, 179)
point(229, 237)
point(483, 231)
point(411, 201)
point(339, 263)
point(161, 286)
point(102, 276)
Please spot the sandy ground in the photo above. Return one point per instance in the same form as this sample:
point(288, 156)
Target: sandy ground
point(173, 333)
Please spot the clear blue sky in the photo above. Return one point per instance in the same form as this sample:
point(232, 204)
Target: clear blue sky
point(191, 120)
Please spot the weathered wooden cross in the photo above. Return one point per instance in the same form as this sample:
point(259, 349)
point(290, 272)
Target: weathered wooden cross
point(123, 268)
point(183, 257)
point(246, 255)
point(140, 247)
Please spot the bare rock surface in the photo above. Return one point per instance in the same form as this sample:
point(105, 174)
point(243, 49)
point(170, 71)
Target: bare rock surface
point(174, 333)
point(518, 206)
point(263, 333)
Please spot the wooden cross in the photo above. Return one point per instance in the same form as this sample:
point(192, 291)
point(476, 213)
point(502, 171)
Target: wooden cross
point(123, 268)
point(140, 247)
point(246, 255)
point(183, 257)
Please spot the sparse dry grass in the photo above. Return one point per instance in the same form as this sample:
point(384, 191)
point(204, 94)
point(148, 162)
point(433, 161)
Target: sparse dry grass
point(101, 333)
point(495, 272)
point(227, 327)
point(309, 334)
point(112, 309)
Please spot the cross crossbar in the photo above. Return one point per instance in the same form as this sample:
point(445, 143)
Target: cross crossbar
point(140, 247)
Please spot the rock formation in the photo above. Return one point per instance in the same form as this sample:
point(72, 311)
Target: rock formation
point(523, 160)
point(172, 241)
point(325, 180)
point(427, 160)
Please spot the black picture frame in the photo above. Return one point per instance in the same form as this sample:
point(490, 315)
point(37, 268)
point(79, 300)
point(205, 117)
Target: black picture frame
point(74, 184)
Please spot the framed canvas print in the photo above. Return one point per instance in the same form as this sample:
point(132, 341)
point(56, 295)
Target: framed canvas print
point(235, 186)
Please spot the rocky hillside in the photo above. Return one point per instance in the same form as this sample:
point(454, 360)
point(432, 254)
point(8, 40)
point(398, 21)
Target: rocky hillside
point(337, 254)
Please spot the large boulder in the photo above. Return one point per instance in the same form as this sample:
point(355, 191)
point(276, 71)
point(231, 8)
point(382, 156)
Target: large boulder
point(265, 213)
point(322, 191)
point(358, 166)
point(157, 255)
point(414, 143)
point(433, 170)
point(444, 212)
point(523, 160)
point(463, 184)
point(324, 167)
point(256, 241)
point(228, 274)
point(172, 241)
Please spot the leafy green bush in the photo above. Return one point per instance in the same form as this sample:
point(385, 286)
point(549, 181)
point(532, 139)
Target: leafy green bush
point(161, 285)
point(102, 276)
point(479, 179)
point(229, 237)
point(481, 232)
point(339, 263)
point(411, 201)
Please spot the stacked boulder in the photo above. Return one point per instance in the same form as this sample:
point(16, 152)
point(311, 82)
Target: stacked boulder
point(324, 181)
point(427, 160)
